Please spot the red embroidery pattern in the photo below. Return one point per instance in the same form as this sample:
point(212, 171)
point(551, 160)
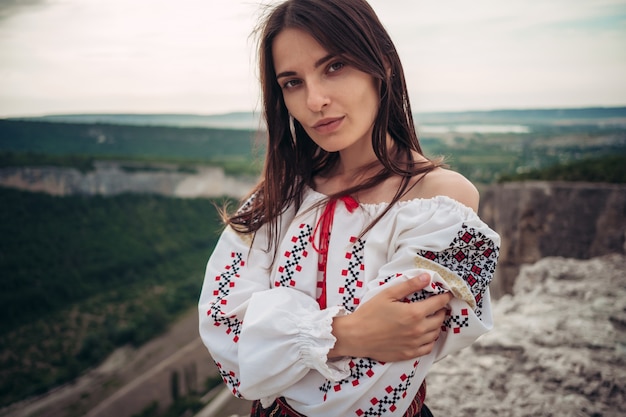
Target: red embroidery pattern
point(456, 322)
point(472, 257)
point(360, 368)
point(230, 380)
point(435, 289)
point(324, 225)
point(388, 401)
point(353, 283)
point(389, 278)
point(290, 263)
point(225, 282)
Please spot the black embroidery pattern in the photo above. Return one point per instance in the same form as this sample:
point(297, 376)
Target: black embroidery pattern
point(473, 257)
point(230, 380)
point(360, 368)
point(388, 401)
point(225, 282)
point(290, 265)
point(353, 282)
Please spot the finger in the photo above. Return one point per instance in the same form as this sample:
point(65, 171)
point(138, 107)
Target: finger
point(420, 350)
point(431, 325)
point(436, 319)
point(436, 302)
point(408, 287)
point(430, 337)
point(425, 349)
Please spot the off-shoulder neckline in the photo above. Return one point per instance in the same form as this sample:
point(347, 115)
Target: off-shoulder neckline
point(439, 200)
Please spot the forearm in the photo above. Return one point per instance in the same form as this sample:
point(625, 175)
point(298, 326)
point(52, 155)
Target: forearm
point(386, 328)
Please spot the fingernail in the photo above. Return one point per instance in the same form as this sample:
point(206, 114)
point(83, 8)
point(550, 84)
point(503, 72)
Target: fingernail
point(424, 277)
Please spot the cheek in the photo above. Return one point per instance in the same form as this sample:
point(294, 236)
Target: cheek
point(363, 94)
point(293, 105)
point(369, 103)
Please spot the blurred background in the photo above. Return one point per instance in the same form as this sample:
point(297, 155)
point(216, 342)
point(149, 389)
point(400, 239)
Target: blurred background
point(125, 124)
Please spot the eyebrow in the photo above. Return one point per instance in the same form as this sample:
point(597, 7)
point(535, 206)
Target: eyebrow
point(317, 64)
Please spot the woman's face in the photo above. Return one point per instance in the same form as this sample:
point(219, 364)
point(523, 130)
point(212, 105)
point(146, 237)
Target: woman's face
point(335, 103)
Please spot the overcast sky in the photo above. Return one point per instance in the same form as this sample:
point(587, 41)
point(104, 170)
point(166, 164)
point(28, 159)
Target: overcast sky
point(196, 56)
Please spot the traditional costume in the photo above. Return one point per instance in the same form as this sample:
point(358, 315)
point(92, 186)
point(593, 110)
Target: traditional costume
point(266, 317)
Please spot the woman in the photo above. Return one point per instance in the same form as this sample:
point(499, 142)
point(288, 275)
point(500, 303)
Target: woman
point(308, 304)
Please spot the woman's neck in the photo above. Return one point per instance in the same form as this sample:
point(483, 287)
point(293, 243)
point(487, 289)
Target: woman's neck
point(353, 161)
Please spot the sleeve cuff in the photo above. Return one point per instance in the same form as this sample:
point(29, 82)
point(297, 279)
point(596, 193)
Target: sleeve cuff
point(316, 339)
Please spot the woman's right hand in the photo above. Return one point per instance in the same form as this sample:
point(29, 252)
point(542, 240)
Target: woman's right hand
point(387, 329)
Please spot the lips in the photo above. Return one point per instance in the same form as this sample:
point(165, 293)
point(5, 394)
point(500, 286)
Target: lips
point(328, 124)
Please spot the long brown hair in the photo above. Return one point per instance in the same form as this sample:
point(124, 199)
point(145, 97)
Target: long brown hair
point(349, 29)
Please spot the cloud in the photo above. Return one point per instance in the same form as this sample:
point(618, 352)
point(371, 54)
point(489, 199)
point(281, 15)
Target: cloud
point(197, 55)
point(151, 52)
point(489, 54)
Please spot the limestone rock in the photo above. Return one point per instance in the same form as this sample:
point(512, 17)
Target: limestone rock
point(112, 178)
point(558, 347)
point(537, 219)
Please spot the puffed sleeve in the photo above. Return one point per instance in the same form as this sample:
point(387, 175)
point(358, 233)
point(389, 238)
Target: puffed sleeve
point(459, 252)
point(245, 323)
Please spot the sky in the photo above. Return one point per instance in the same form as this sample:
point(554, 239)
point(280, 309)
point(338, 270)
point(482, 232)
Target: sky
point(198, 56)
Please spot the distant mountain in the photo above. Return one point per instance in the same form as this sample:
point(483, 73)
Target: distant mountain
point(239, 120)
point(251, 120)
point(588, 115)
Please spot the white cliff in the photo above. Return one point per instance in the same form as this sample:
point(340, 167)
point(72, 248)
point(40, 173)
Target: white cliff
point(111, 178)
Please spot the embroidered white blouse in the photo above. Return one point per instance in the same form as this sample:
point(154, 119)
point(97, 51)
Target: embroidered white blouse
point(266, 332)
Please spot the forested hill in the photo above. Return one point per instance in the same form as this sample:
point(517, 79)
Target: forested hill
point(571, 116)
point(101, 139)
point(81, 276)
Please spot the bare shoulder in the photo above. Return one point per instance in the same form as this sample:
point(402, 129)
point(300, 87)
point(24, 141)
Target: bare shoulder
point(448, 183)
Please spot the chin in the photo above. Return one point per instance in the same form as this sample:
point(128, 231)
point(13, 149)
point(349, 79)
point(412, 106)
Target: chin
point(330, 148)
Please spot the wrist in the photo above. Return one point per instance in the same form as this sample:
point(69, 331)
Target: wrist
point(344, 338)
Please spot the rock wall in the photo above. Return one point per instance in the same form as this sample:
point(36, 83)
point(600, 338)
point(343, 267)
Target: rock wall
point(541, 219)
point(558, 347)
point(110, 178)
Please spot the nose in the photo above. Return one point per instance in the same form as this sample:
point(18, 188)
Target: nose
point(317, 97)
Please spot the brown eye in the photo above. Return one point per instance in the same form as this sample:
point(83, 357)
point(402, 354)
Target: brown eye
point(335, 66)
point(291, 84)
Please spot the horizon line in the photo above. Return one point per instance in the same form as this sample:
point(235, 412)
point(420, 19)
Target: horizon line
point(253, 112)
